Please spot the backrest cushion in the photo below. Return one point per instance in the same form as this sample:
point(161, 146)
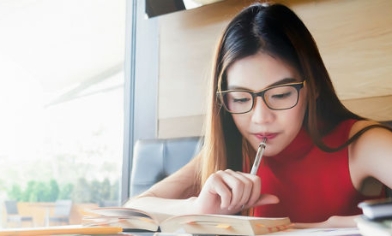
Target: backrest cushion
point(155, 159)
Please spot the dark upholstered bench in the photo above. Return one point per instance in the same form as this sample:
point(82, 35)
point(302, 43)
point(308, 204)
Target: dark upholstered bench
point(154, 159)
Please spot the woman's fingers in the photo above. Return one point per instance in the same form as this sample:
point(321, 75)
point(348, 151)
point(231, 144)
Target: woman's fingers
point(236, 189)
point(217, 182)
point(241, 186)
point(255, 190)
point(229, 191)
point(251, 191)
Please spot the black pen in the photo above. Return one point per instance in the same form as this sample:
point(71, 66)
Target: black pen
point(259, 156)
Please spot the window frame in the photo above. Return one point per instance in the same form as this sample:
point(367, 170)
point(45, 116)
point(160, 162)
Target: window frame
point(140, 84)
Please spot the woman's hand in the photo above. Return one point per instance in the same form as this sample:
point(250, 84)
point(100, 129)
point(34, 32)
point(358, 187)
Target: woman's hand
point(228, 192)
point(332, 222)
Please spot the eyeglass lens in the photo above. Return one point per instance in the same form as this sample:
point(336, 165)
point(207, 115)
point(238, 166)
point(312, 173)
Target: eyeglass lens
point(278, 98)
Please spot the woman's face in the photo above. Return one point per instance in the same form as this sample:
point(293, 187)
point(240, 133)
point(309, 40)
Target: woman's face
point(280, 127)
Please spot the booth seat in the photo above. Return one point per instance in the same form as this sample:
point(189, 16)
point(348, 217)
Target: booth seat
point(154, 159)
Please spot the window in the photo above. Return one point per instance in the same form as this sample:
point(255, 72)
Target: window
point(62, 101)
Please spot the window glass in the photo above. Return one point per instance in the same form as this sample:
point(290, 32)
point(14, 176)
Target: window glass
point(61, 103)
point(67, 151)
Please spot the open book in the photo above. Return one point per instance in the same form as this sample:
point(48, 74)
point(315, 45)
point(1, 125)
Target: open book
point(133, 219)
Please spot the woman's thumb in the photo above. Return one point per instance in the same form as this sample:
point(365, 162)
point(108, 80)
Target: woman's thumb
point(267, 199)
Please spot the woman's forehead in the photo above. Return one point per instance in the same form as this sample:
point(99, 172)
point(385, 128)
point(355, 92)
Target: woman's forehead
point(259, 71)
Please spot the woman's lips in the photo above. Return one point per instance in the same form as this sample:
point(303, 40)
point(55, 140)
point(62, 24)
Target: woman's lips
point(266, 135)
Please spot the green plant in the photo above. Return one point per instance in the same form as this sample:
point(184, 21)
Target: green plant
point(49, 191)
point(15, 192)
point(36, 191)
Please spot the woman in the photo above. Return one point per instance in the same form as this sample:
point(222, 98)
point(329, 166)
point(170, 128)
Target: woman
point(321, 160)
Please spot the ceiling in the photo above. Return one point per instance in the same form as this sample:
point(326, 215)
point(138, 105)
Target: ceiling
point(65, 45)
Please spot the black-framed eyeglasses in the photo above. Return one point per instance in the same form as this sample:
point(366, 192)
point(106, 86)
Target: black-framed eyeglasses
point(279, 97)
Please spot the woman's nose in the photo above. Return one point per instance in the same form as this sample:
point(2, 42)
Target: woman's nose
point(261, 113)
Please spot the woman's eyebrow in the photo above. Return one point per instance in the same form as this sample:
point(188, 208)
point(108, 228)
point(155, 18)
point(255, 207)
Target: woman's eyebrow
point(279, 82)
point(284, 81)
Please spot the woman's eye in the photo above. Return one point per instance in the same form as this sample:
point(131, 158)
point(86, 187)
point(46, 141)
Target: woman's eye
point(282, 95)
point(240, 100)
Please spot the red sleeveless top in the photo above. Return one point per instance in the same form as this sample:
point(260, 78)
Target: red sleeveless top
point(311, 184)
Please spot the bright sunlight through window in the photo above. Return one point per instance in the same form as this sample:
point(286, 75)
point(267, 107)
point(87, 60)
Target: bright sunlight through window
point(61, 101)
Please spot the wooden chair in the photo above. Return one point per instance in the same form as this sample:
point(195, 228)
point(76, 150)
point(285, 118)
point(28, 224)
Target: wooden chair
point(13, 216)
point(62, 211)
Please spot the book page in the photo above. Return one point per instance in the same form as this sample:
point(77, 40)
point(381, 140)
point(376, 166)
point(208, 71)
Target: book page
point(123, 212)
point(224, 224)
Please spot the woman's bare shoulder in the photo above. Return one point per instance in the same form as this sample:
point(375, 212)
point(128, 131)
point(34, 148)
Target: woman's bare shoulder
point(374, 139)
point(362, 124)
point(375, 132)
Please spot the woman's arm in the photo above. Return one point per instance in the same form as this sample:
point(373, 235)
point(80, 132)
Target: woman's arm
point(170, 194)
point(225, 192)
point(332, 222)
point(371, 159)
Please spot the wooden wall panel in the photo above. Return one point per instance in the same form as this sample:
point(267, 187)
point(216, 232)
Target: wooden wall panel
point(354, 38)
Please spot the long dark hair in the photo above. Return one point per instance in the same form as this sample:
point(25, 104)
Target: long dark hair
point(278, 31)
